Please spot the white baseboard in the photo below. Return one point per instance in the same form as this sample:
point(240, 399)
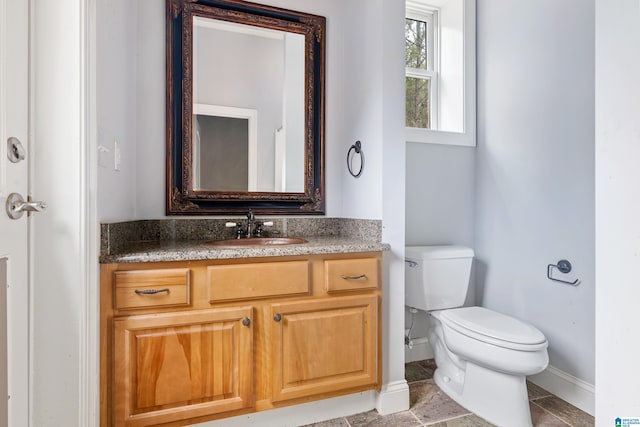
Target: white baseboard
point(394, 397)
point(421, 350)
point(305, 413)
point(567, 387)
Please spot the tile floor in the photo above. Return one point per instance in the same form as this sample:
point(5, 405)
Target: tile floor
point(429, 406)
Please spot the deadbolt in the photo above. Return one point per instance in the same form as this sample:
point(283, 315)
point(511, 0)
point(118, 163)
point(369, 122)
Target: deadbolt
point(15, 150)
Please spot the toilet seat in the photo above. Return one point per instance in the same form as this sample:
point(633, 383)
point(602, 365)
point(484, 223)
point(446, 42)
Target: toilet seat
point(493, 328)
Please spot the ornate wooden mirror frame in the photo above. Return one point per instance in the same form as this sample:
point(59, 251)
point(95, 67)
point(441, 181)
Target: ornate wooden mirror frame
point(182, 198)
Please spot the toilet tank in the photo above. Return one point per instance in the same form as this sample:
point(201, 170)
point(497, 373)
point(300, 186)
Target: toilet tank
point(437, 277)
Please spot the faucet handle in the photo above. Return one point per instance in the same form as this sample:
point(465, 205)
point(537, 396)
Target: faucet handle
point(260, 228)
point(238, 227)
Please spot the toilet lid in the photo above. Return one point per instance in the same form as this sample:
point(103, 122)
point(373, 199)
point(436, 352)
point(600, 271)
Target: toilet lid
point(495, 326)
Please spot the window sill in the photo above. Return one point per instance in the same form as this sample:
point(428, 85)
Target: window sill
point(427, 136)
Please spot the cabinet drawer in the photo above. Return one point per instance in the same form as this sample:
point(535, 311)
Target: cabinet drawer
point(351, 274)
point(258, 280)
point(136, 289)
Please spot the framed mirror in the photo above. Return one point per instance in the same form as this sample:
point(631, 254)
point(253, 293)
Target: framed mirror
point(245, 109)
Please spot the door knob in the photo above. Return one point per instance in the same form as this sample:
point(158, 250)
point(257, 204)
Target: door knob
point(16, 206)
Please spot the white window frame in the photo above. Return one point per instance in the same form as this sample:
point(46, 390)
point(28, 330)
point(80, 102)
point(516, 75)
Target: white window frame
point(429, 14)
point(468, 136)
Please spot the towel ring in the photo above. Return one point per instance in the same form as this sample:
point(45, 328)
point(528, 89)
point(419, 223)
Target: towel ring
point(353, 150)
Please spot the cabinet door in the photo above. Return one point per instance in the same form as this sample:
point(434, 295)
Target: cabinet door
point(175, 366)
point(324, 346)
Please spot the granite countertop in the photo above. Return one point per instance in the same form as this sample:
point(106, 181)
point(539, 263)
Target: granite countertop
point(190, 250)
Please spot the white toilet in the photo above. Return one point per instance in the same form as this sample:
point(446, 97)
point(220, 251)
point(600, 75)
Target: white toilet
point(483, 357)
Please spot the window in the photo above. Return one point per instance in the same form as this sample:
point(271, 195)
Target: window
point(421, 67)
point(440, 71)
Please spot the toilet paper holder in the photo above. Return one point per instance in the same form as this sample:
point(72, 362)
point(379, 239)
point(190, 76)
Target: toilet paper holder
point(563, 266)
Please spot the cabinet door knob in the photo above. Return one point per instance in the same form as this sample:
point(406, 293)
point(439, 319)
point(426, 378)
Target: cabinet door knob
point(246, 321)
point(277, 317)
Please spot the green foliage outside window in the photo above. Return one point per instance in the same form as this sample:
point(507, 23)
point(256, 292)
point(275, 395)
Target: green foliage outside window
point(417, 89)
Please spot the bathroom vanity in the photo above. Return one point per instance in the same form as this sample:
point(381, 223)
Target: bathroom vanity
point(195, 330)
point(236, 330)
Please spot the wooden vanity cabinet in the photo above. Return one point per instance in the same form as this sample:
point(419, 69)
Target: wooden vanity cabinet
point(185, 342)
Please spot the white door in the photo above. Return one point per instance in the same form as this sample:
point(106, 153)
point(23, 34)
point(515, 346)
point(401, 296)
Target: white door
point(14, 108)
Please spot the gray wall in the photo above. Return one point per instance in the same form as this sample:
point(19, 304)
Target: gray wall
point(440, 194)
point(535, 169)
point(116, 105)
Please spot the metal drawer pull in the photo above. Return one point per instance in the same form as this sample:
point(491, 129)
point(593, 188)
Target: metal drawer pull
point(151, 291)
point(361, 276)
point(277, 317)
point(246, 321)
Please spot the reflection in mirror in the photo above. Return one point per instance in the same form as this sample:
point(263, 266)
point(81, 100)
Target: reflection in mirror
point(263, 73)
point(224, 148)
point(245, 110)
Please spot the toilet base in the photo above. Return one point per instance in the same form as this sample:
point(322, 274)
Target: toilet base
point(497, 397)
